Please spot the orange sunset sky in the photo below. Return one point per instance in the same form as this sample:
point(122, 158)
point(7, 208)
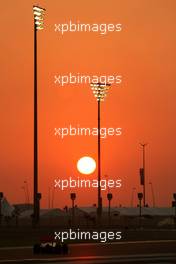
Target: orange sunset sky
point(143, 105)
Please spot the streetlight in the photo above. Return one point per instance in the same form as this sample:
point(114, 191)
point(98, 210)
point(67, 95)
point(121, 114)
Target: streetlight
point(100, 91)
point(27, 192)
point(25, 196)
point(73, 198)
point(153, 195)
point(1, 197)
point(109, 197)
point(38, 25)
point(174, 205)
point(140, 197)
point(132, 196)
point(142, 173)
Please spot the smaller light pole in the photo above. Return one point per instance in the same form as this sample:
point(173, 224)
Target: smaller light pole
point(25, 195)
point(109, 197)
point(132, 196)
point(153, 195)
point(1, 197)
point(73, 198)
point(174, 205)
point(27, 192)
point(142, 174)
point(140, 197)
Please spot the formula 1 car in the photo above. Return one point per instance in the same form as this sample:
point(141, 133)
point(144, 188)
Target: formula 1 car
point(48, 245)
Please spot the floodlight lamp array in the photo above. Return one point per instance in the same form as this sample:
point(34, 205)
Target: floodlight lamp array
point(38, 17)
point(100, 90)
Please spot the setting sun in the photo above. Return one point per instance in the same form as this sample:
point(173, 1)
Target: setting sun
point(86, 165)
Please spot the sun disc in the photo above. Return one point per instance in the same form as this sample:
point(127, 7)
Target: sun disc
point(86, 165)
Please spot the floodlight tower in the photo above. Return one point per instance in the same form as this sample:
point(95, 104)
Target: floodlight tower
point(38, 13)
point(100, 91)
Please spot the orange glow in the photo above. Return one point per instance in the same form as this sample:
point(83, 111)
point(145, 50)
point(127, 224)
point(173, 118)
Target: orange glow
point(143, 104)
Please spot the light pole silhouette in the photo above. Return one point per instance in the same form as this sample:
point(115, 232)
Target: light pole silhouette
point(1, 197)
point(100, 91)
point(142, 174)
point(73, 198)
point(174, 205)
point(153, 195)
point(25, 195)
point(109, 197)
point(132, 196)
point(27, 192)
point(140, 197)
point(38, 13)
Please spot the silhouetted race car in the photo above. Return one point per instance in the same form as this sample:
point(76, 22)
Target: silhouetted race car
point(48, 245)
